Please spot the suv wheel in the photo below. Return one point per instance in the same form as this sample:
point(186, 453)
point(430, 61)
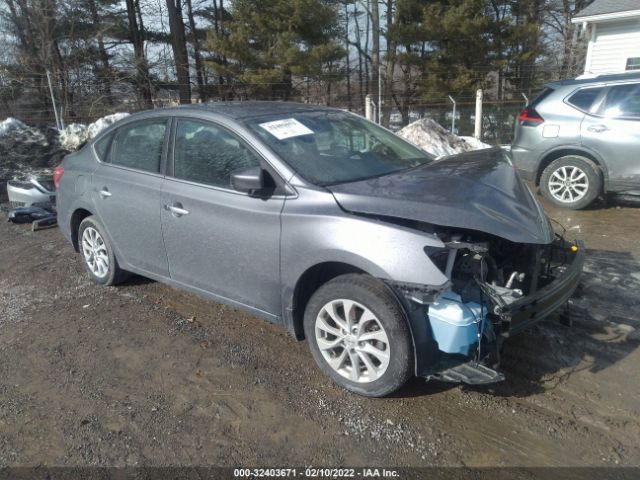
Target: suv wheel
point(97, 255)
point(358, 335)
point(571, 182)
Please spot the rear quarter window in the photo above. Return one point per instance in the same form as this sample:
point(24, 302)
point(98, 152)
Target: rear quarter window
point(102, 146)
point(585, 98)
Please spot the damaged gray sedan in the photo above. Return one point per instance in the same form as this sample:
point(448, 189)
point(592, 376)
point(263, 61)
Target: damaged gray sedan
point(390, 263)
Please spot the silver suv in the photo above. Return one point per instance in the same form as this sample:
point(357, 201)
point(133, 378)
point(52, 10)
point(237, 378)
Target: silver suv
point(389, 262)
point(581, 138)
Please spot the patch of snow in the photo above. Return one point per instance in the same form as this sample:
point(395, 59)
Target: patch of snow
point(475, 143)
point(73, 135)
point(76, 134)
point(11, 124)
point(431, 137)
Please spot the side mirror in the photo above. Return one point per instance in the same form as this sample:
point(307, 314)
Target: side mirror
point(248, 180)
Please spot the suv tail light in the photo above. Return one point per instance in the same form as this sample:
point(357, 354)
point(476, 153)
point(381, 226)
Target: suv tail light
point(58, 172)
point(530, 117)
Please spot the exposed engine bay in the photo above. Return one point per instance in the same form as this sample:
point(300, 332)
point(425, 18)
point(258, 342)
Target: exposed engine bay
point(497, 288)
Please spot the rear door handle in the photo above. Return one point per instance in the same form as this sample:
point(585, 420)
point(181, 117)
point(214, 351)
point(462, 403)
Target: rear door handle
point(105, 193)
point(598, 128)
point(176, 209)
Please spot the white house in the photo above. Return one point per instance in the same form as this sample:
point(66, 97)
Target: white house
point(613, 29)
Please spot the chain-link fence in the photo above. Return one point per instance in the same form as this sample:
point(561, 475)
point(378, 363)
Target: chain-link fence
point(30, 100)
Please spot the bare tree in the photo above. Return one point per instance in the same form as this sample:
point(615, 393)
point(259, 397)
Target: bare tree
point(201, 77)
point(136, 35)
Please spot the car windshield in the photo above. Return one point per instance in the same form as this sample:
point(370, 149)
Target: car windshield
point(327, 148)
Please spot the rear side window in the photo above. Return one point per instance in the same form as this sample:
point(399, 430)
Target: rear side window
point(139, 145)
point(102, 146)
point(623, 101)
point(206, 153)
point(585, 98)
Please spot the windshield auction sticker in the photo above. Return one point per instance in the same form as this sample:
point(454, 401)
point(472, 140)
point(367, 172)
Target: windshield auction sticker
point(287, 128)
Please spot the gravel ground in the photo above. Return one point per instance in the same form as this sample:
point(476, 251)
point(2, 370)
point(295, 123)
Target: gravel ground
point(144, 374)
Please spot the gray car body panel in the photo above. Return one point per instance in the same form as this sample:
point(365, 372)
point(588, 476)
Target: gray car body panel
point(615, 149)
point(251, 252)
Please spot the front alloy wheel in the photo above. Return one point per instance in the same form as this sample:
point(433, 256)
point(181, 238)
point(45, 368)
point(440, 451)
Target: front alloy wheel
point(352, 340)
point(359, 336)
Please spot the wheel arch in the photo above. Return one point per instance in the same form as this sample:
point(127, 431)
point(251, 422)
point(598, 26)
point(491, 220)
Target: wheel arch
point(78, 215)
point(310, 281)
point(549, 157)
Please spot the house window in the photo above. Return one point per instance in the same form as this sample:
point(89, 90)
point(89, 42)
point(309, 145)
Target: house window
point(633, 63)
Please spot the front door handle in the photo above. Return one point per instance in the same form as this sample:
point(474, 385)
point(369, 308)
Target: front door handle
point(176, 209)
point(598, 128)
point(105, 193)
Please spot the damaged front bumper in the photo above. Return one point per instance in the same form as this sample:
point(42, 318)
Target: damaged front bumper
point(554, 275)
point(538, 305)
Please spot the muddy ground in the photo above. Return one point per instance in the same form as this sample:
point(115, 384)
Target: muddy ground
point(143, 374)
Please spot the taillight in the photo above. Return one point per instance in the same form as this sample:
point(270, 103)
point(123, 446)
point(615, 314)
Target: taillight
point(58, 172)
point(530, 117)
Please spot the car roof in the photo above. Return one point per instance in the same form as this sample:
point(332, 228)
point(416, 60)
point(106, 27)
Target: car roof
point(239, 110)
point(597, 79)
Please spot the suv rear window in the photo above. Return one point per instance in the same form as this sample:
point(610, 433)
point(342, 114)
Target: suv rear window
point(584, 98)
point(544, 94)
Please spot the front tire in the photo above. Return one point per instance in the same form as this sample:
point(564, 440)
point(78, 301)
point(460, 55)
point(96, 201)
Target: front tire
point(97, 255)
point(358, 335)
point(571, 182)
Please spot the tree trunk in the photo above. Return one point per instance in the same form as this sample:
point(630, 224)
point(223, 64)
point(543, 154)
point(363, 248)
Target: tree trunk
point(359, 47)
point(346, 46)
point(103, 71)
point(391, 64)
point(179, 47)
point(197, 57)
point(374, 13)
point(136, 35)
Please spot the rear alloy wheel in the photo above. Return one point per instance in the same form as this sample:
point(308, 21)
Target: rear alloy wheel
point(571, 182)
point(359, 336)
point(97, 256)
point(95, 252)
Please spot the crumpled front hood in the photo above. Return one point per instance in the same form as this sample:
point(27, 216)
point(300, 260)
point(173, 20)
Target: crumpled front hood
point(477, 190)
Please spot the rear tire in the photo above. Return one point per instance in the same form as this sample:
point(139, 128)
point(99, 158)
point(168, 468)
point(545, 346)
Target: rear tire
point(572, 182)
point(356, 320)
point(97, 254)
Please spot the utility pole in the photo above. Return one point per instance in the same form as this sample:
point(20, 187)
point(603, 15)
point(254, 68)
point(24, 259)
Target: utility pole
point(368, 108)
point(478, 127)
point(53, 101)
point(453, 116)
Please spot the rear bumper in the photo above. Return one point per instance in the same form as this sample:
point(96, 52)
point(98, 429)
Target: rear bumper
point(536, 306)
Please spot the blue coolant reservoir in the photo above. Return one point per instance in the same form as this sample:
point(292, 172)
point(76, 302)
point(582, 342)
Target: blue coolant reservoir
point(455, 325)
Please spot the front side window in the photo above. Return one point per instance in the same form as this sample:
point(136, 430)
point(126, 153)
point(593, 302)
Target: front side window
point(335, 147)
point(206, 153)
point(623, 101)
point(139, 145)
